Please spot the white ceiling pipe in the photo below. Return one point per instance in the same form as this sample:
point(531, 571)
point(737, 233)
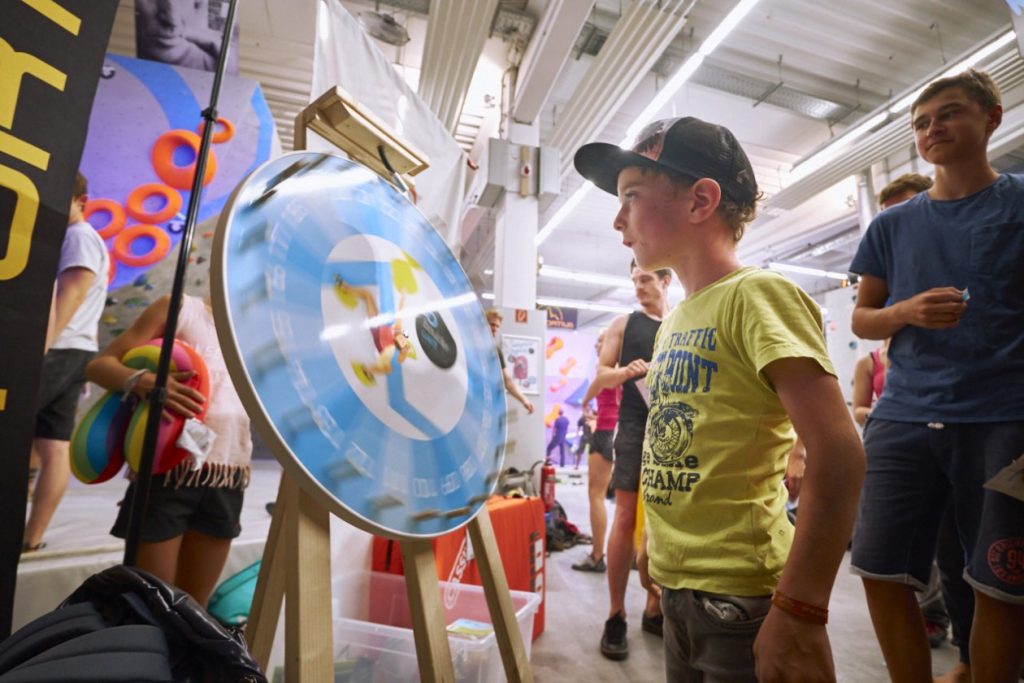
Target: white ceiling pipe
point(1007, 70)
point(455, 38)
point(637, 41)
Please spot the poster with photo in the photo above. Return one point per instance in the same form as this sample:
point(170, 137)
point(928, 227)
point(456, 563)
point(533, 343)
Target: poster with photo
point(184, 33)
point(521, 354)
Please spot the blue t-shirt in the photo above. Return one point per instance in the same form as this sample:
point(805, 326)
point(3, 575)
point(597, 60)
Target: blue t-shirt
point(561, 427)
point(975, 371)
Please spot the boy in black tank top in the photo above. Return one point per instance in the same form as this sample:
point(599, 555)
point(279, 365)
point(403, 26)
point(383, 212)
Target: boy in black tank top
point(627, 349)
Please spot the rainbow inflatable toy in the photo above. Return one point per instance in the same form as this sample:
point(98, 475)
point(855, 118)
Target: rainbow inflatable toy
point(113, 430)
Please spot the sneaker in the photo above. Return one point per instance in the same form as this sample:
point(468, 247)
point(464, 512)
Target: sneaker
point(936, 633)
point(589, 564)
point(653, 624)
point(613, 642)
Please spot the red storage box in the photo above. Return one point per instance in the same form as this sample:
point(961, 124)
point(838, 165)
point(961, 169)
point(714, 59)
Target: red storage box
point(519, 531)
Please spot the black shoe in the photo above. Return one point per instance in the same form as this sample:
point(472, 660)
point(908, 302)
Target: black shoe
point(936, 633)
point(653, 624)
point(589, 564)
point(613, 642)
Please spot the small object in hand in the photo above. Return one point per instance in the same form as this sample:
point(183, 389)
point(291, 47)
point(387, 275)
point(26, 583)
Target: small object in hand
point(966, 295)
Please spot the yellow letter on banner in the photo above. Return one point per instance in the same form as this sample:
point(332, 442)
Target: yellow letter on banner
point(14, 65)
point(57, 14)
point(25, 210)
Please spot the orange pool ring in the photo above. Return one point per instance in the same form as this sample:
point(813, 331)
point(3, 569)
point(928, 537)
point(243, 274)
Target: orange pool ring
point(135, 206)
point(223, 130)
point(123, 243)
point(180, 177)
point(117, 217)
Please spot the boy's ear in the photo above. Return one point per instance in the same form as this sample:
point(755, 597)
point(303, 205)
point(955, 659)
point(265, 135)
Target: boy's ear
point(707, 195)
point(995, 118)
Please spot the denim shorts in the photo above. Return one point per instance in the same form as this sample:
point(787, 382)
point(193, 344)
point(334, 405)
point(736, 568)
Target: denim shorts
point(912, 469)
point(710, 637)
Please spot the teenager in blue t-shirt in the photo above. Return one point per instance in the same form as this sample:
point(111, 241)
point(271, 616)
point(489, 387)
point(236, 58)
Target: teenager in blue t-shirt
point(952, 414)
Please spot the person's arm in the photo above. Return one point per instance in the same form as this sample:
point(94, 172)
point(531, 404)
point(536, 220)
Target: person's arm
point(609, 374)
point(938, 308)
point(51, 320)
point(107, 370)
point(862, 391)
point(796, 466)
point(513, 388)
point(592, 392)
point(789, 648)
point(72, 286)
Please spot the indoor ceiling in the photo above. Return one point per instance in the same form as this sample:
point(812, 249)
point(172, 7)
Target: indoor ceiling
point(790, 79)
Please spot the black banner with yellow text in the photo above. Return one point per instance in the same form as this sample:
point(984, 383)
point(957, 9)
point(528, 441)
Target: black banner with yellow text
point(51, 54)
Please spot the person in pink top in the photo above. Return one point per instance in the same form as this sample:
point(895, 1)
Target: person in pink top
point(599, 467)
point(868, 380)
point(194, 509)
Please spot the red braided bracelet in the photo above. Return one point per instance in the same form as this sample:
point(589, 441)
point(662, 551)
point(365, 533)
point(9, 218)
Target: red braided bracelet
point(800, 610)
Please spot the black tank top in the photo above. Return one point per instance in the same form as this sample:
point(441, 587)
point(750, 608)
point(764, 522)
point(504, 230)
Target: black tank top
point(637, 342)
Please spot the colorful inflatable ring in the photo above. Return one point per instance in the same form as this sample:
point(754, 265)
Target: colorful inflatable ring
point(117, 217)
point(135, 206)
point(168, 455)
point(180, 177)
point(123, 243)
point(223, 130)
point(97, 446)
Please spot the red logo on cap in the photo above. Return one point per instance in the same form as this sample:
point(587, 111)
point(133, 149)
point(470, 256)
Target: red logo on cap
point(651, 141)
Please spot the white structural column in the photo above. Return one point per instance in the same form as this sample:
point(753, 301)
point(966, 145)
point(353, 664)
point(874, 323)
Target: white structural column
point(456, 34)
point(866, 200)
point(639, 38)
point(515, 249)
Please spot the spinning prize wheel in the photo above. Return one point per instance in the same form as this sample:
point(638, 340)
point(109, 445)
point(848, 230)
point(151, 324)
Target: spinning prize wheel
point(358, 346)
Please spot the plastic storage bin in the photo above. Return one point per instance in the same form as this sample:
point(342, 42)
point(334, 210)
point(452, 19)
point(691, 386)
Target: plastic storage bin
point(381, 648)
point(373, 640)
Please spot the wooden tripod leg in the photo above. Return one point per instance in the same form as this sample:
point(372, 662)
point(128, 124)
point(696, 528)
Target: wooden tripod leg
point(499, 600)
point(266, 603)
point(309, 641)
point(428, 624)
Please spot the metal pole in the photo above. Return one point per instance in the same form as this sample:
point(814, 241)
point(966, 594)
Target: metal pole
point(158, 397)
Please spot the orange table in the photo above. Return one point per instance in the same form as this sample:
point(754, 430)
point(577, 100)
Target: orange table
point(519, 531)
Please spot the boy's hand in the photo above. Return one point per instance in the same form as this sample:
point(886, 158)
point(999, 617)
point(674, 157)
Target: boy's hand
point(790, 650)
point(939, 308)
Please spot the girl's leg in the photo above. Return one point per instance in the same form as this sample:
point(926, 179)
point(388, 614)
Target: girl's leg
point(200, 563)
point(160, 559)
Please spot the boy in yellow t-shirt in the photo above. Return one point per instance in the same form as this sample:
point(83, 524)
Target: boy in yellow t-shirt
point(736, 367)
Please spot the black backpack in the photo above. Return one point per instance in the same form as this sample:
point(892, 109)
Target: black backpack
point(124, 624)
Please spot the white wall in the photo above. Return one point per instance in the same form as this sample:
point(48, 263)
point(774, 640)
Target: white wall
point(843, 346)
point(526, 432)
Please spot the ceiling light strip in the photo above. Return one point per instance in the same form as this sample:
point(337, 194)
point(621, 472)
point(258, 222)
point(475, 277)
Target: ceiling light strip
point(556, 273)
point(583, 305)
point(879, 116)
point(673, 85)
point(572, 303)
point(805, 270)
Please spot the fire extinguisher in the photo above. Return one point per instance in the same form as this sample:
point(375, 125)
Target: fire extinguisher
point(547, 485)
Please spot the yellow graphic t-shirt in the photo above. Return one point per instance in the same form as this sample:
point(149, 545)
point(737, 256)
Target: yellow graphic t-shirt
point(718, 436)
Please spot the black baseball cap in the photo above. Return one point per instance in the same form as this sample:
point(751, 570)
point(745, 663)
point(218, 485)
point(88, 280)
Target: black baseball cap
point(687, 145)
